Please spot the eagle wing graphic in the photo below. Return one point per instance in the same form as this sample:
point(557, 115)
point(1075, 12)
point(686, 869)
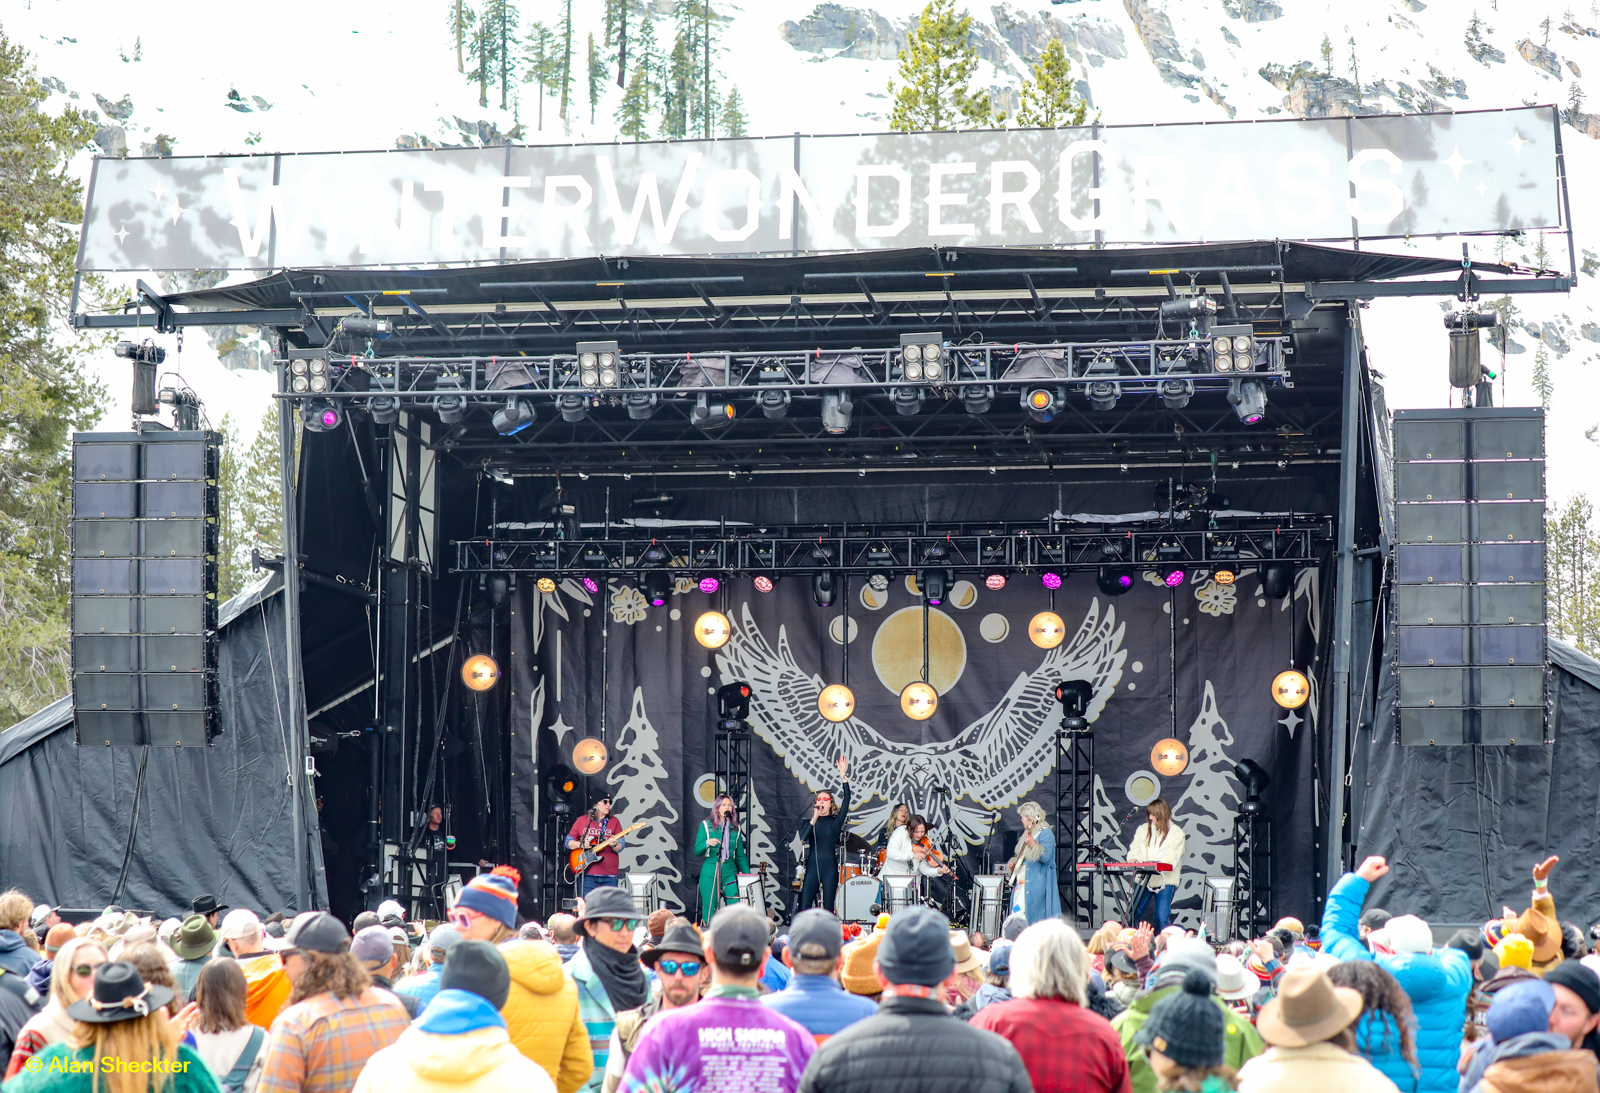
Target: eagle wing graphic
point(959, 785)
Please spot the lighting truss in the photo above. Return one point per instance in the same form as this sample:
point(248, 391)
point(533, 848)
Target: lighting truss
point(1300, 540)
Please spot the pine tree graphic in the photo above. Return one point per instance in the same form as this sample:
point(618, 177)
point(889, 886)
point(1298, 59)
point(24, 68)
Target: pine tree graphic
point(639, 785)
point(1205, 811)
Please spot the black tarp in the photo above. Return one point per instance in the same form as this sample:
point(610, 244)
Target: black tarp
point(1462, 826)
point(215, 820)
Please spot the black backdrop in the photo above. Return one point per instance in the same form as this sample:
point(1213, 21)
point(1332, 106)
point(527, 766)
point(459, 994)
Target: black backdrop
point(990, 742)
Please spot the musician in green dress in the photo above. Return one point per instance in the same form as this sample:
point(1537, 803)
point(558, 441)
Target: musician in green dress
point(718, 841)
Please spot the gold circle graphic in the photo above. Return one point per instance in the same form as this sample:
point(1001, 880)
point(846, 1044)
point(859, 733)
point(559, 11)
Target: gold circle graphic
point(897, 650)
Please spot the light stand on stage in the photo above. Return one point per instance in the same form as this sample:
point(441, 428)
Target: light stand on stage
point(1252, 854)
point(1075, 801)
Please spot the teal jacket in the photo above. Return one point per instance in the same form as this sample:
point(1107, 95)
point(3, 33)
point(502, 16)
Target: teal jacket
point(63, 1069)
point(596, 1013)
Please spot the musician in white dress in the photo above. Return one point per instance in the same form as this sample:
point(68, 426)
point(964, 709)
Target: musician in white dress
point(906, 856)
point(1158, 839)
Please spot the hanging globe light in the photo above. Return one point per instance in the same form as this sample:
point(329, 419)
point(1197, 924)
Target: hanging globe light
point(1291, 689)
point(547, 585)
point(1046, 630)
point(713, 629)
point(480, 672)
point(589, 755)
point(1169, 757)
point(836, 702)
point(919, 700)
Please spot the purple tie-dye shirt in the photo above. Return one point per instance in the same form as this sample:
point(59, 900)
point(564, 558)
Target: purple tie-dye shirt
point(724, 1043)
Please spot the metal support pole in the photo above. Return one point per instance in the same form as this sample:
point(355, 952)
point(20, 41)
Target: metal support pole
point(1075, 821)
point(1252, 874)
point(1344, 593)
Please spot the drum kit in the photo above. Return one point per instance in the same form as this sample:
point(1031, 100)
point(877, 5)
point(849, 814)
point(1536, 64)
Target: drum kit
point(865, 890)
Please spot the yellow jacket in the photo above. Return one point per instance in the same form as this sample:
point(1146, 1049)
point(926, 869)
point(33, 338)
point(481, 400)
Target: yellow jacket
point(481, 1061)
point(541, 1014)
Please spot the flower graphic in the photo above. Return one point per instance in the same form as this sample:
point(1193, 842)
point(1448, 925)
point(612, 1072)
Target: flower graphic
point(1155, 578)
point(682, 586)
point(628, 605)
point(1215, 599)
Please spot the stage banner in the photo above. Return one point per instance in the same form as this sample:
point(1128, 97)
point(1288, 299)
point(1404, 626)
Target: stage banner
point(1314, 179)
point(614, 668)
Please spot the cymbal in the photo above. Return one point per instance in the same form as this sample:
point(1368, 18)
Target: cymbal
point(855, 844)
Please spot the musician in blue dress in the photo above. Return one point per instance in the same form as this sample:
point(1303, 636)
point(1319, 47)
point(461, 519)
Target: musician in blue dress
point(1035, 890)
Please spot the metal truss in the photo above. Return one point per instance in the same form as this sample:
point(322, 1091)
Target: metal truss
point(1299, 539)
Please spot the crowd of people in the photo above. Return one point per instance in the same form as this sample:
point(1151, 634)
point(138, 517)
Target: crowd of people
point(611, 999)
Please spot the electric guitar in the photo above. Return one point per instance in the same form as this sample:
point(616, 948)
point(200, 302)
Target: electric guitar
point(582, 858)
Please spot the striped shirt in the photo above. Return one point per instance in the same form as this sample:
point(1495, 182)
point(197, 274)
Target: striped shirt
point(320, 1045)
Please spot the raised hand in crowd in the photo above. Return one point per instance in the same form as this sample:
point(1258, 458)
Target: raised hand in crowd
point(1373, 868)
point(1541, 872)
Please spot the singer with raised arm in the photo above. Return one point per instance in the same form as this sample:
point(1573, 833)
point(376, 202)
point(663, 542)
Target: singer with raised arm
point(1159, 840)
point(821, 833)
point(1035, 890)
point(721, 844)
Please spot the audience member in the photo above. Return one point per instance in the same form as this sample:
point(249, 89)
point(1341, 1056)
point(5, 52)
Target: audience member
point(374, 950)
point(425, 984)
point(1386, 1032)
point(268, 983)
point(1576, 1010)
point(1185, 1039)
point(682, 971)
point(1181, 957)
point(1523, 1054)
point(223, 1036)
point(71, 979)
point(541, 1012)
point(607, 971)
point(814, 997)
point(486, 910)
point(996, 982)
point(192, 947)
point(18, 952)
point(565, 937)
point(1312, 1046)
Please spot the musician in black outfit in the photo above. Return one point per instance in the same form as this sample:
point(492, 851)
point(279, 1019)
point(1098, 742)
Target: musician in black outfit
point(822, 834)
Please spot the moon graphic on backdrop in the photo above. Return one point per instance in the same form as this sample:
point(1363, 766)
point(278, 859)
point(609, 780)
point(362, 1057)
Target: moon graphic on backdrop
point(897, 650)
point(911, 585)
point(836, 628)
point(963, 595)
point(705, 789)
point(994, 628)
point(872, 599)
point(1142, 787)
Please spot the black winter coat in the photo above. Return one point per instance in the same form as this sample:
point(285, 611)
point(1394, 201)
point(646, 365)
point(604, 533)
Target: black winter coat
point(914, 1045)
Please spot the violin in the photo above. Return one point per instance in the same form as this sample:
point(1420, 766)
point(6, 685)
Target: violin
point(929, 852)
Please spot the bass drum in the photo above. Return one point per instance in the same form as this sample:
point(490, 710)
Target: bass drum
point(857, 895)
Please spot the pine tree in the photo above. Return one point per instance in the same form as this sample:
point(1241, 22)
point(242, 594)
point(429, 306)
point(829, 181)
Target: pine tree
point(632, 119)
point(538, 61)
point(1575, 101)
point(233, 567)
point(461, 20)
point(261, 491)
point(483, 47)
point(597, 78)
point(500, 19)
point(936, 66)
point(564, 35)
point(733, 119)
point(1355, 68)
point(1542, 384)
point(1327, 55)
point(677, 91)
point(1545, 26)
point(1049, 100)
point(1573, 574)
point(45, 389)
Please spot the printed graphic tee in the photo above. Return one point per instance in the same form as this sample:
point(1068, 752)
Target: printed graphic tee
point(726, 1043)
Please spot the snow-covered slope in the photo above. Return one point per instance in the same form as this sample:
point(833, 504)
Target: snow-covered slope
point(314, 76)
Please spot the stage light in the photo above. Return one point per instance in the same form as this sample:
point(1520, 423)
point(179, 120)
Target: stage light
point(922, 357)
point(363, 327)
point(935, 584)
point(641, 406)
point(1248, 399)
point(1466, 361)
point(919, 700)
point(560, 785)
point(1277, 578)
point(657, 587)
point(836, 702)
point(1113, 580)
point(515, 416)
point(480, 672)
point(573, 408)
point(1103, 393)
point(655, 553)
point(713, 629)
point(319, 384)
point(1255, 780)
point(1291, 689)
point(878, 582)
point(1050, 579)
point(1191, 308)
point(1046, 630)
point(709, 584)
point(994, 579)
point(320, 416)
point(1074, 696)
point(711, 415)
point(907, 401)
point(733, 701)
point(590, 585)
point(299, 384)
point(763, 583)
point(1169, 757)
point(449, 403)
point(1232, 348)
point(598, 364)
point(1224, 573)
point(1172, 575)
point(774, 404)
point(1043, 403)
point(385, 409)
point(1175, 394)
point(589, 755)
point(823, 588)
point(976, 400)
point(836, 410)
point(547, 585)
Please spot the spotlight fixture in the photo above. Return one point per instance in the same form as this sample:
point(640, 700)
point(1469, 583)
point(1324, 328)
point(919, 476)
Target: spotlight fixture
point(711, 415)
point(363, 327)
point(976, 400)
point(764, 583)
point(547, 585)
point(448, 401)
point(935, 585)
point(1193, 309)
point(1291, 689)
point(836, 410)
point(599, 365)
point(573, 407)
point(1173, 574)
point(1175, 394)
point(774, 404)
point(1277, 578)
point(1043, 403)
point(1114, 580)
point(836, 702)
point(657, 587)
point(641, 405)
point(919, 700)
point(1050, 579)
point(560, 785)
point(515, 416)
point(994, 579)
point(709, 583)
point(1102, 392)
point(1046, 630)
point(384, 409)
point(320, 416)
point(1170, 757)
point(907, 401)
point(823, 588)
point(590, 585)
point(1466, 362)
point(1248, 399)
point(878, 582)
point(480, 672)
point(923, 357)
point(1074, 696)
point(733, 701)
point(1255, 779)
point(713, 629)
point(1225, 573)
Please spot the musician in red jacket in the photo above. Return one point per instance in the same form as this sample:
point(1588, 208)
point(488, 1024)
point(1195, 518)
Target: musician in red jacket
point(593, 828)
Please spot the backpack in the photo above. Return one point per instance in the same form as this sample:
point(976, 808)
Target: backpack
point(233, 1080)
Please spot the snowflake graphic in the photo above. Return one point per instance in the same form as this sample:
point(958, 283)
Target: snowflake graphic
point(628, 605)
point(1215, 599)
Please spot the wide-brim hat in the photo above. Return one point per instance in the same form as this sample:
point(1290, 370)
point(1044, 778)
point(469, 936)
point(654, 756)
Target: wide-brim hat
point(207, 904)
point(119, 994)
point(1308, 1009)
point(609, 902)
point(195, 938)
point(968, 959)
point(677, 939)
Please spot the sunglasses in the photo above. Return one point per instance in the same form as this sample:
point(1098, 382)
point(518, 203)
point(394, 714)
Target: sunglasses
point(689, 968)
point(463, 919)
point(621, 924)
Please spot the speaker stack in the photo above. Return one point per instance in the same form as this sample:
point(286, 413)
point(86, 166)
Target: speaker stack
point(1469, 577)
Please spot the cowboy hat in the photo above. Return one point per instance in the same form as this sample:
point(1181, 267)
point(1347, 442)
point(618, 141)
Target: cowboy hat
point(1308, 1010)
point(119, 994)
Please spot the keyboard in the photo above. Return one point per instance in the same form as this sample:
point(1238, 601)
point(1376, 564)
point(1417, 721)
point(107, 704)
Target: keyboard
point(1124, 867)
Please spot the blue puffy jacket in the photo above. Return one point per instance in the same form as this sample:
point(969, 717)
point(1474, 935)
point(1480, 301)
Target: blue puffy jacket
point(1437, 984)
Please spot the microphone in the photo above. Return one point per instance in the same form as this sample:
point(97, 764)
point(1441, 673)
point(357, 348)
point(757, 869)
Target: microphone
point(942, 789)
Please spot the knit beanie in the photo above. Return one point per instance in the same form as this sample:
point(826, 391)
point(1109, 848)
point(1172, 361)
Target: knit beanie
point(1186, 1026)
point(1258, 968)
point(1493, 932)
point(477, 966)
point(1579, 979)
point(1515, 950)
point(494, 895)
point(857, 976)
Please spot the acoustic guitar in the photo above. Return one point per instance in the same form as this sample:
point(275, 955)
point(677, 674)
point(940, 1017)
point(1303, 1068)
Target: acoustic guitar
point(582, 858)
